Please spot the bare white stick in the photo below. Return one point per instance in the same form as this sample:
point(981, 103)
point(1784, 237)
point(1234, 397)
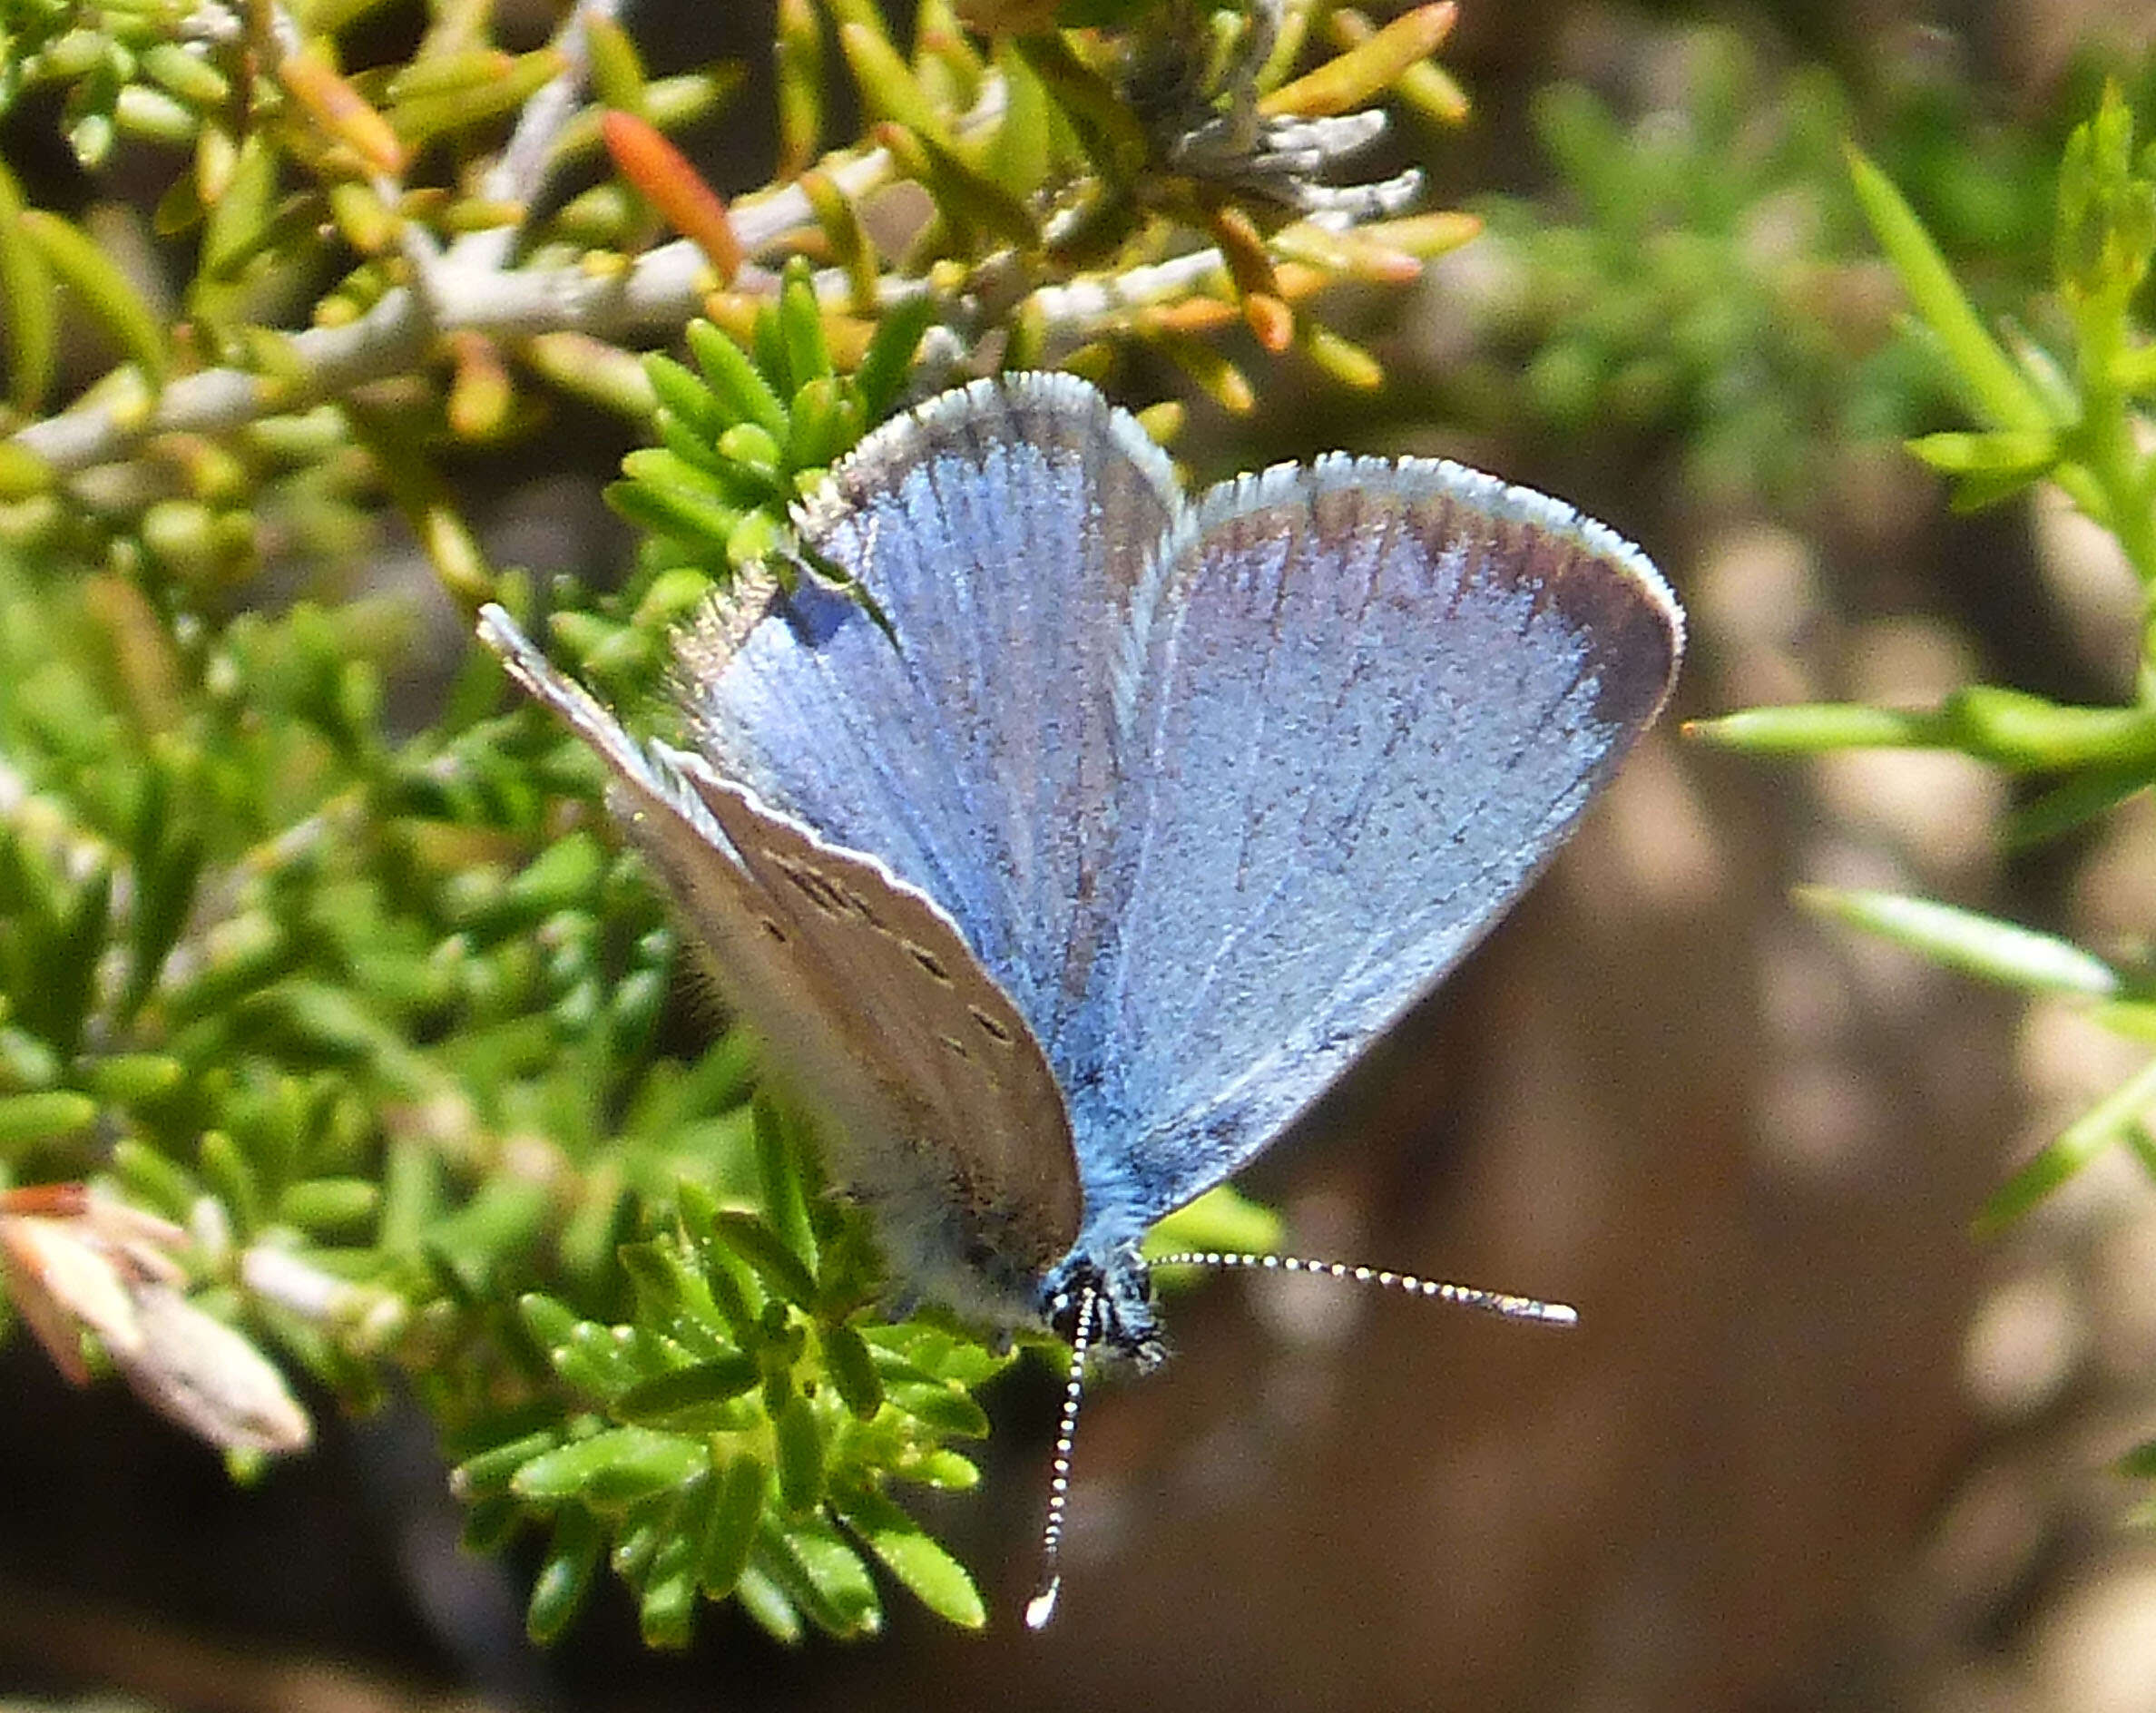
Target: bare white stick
point(519, 171)
point(662, 288)
point(468, 287)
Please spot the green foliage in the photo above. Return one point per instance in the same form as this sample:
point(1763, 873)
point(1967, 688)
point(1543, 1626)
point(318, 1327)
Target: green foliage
point(740, 1431)
point(741, 437)
point(2077, 415)
point(422, 1078)
point(1707, 276)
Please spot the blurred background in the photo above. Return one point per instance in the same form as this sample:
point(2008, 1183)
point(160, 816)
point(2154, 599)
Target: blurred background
point(1815, 1446)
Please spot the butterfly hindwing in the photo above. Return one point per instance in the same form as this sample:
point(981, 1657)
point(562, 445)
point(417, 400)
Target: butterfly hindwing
point(1374, 699)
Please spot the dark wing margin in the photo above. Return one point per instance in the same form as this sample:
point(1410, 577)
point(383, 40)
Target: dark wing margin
point(1374, 699)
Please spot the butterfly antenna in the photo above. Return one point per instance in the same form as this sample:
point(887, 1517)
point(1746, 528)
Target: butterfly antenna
point(1500, 1303)
point(1041, 1607)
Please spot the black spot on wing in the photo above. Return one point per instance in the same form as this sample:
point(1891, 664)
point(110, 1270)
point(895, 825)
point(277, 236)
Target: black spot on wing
point(930, 963)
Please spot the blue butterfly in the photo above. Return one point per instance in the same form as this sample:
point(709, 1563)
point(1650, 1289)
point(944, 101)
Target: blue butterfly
point(1068, 868)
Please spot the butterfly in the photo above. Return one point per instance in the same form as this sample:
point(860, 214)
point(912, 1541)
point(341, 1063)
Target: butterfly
point(1075, 849)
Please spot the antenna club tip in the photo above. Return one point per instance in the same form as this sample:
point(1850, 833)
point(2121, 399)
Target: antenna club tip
point(1041, 1607)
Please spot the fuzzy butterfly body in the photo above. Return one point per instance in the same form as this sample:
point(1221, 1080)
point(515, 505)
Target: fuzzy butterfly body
point(1065, 878)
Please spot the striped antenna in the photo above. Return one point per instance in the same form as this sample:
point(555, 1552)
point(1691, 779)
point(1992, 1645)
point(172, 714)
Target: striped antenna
point(1041, 1607)
point(1501, 1303)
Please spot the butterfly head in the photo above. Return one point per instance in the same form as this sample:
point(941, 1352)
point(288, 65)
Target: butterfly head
point(1109, 1302)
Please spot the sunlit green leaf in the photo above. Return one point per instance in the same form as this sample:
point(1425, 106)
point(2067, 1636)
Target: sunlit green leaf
point(1962, 940)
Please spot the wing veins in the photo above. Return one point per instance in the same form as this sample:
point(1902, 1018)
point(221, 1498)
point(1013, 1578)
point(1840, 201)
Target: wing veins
point(1261, 914)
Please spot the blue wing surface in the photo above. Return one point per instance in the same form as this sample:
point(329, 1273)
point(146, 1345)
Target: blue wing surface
point(1000, 531)
point(1371, 701)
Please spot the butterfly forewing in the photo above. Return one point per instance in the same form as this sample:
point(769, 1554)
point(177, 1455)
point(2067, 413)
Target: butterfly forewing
point(834, 963)
point(982, 1127)
point(1374, 699)
point(999, 533)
